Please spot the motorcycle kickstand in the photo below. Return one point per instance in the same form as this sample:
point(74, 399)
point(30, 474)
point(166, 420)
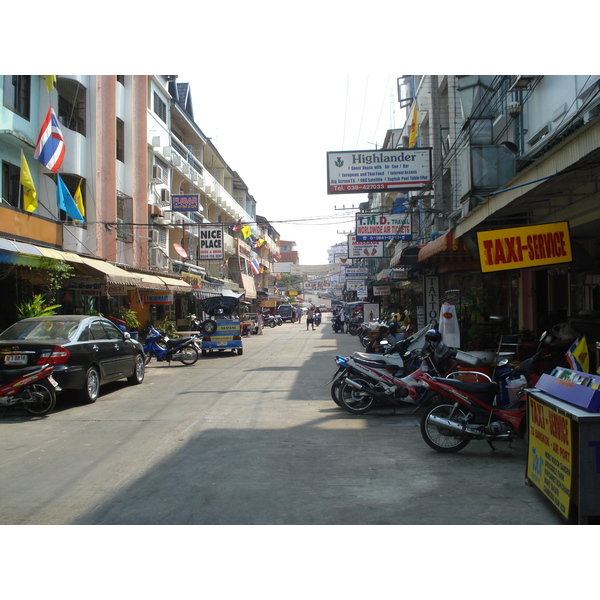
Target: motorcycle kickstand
point(491, 445)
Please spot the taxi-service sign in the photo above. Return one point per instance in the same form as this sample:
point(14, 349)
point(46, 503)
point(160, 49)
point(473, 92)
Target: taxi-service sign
point(522, 247)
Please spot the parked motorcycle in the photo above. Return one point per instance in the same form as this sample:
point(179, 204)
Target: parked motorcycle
point(458, 412)
point(336, 324)
point(35, 391)
point(164, 349)
point(354, 326)
point(269, 321)
point(364, 380)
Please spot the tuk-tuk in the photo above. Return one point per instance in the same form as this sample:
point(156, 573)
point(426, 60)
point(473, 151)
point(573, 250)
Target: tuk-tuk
point(221, 331)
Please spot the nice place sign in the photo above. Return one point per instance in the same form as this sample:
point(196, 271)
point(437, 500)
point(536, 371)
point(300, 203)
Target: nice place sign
point(522, 247)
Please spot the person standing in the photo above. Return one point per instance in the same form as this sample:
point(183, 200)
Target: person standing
point(299, 312)
point(342, 320)
point(310, 318)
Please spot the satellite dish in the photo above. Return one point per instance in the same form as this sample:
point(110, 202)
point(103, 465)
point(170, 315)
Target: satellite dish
point(179, 249)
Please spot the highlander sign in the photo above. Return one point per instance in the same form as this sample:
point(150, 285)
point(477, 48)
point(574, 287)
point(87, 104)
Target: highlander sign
point(523, 247)
point(373, 170)
point(381, 227)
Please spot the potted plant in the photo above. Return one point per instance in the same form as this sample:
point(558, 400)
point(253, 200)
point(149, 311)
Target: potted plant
point(36, 307)
point(129, 317)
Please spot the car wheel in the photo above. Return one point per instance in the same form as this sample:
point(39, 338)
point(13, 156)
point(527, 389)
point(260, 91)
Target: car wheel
point(138, 372)
point(91, 388)
point(240, 351)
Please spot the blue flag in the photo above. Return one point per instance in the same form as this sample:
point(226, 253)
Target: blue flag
point(65, 200)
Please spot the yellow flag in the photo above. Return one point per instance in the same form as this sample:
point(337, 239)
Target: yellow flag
point(29, 193)
point(79, 199)
point(246, 231)
point(414, 126)
point(50, 82)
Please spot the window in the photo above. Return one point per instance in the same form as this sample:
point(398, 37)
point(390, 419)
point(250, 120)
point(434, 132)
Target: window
point(17, 94)
point(160, 107)
point(71, 104)
point(11, 186)
point(120, 140)
point(72, 182)
point(124, 217)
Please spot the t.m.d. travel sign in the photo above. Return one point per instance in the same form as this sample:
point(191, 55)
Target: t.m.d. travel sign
point(373, 170)
point(522, 247)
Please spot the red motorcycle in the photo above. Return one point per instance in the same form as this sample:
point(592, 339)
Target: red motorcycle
point(458, 412)
point(35, 390)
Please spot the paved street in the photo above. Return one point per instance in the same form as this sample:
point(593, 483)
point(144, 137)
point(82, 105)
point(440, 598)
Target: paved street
point(251, 439)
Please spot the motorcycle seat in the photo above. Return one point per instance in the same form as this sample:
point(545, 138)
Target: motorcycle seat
point(471, 387)
point(178, 342)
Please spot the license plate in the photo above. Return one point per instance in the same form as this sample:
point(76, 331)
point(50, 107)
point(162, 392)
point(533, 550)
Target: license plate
point(222, 343)
point(15, 359)
point(52, 381)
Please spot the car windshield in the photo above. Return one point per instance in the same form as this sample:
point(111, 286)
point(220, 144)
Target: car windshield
point(41, 330)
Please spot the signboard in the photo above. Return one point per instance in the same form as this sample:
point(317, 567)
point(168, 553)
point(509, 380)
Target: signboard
point(381, 290)
point(378, 170)
point(210, 242)
point(185, 202)
point(362, 291)
point(357, 273)
point(522, 247)
point(550, 454)
point(354, 285)
point(382, 227)
point(160, 298)
point(358, 249)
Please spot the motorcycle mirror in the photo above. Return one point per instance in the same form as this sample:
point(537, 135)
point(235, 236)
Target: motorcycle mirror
point(503, 362)
point(543, 336)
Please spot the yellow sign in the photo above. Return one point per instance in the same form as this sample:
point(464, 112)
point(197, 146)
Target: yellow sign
point(522, 247)
point(293, 293)
point(550, 454)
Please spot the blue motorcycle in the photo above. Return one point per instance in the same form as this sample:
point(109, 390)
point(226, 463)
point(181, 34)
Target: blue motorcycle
point(164, 349)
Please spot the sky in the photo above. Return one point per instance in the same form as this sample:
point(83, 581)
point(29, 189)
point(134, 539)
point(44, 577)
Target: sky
point(277, 135)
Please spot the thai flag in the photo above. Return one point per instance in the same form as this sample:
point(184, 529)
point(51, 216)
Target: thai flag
point(255, 266)
point(50, 147)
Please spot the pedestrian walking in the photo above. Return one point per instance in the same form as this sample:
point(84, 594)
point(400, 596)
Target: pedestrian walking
point(299, 311)
point(310, 318)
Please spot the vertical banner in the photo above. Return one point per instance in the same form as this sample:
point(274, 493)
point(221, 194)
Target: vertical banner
point(431, 296)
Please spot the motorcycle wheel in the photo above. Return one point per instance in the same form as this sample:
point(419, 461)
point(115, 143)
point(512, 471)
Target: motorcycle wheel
point(42, 400)
point(439, 438)
point(271, 324)
point(147, 358)
point(353, 400)
point(189, 355)
point(364, 341)
point(335, 390)
point(352, 329)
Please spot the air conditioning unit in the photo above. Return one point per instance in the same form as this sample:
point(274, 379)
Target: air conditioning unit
point(156, 141)
point(154, 236)
point(157, 174)
point(167, 152)
point(156, 258)
point(165, 196)
point(177, 160)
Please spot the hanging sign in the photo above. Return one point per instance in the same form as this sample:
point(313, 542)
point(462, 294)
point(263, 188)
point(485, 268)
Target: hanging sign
point(210, 242)
point(522, 247)
point(185, 202)
point(382, 227)
point(373, 170)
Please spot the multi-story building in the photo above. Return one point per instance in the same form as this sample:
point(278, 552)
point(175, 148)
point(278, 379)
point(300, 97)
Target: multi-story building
point(512, 156)
point(137, 157)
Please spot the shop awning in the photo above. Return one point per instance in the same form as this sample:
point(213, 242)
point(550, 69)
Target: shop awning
point(23, 253)
point(446, 247)
point(151, 282)
point(176, 285)
point(249, 286)
point(408, 257)
point(113, 274)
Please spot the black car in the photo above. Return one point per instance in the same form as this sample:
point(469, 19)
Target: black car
point(86, 352)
